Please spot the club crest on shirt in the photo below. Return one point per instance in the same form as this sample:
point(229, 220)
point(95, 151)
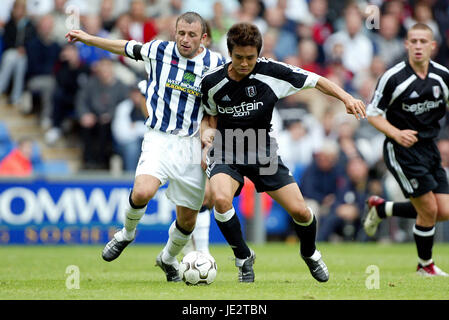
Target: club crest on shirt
point(436, 91)
point(414, 183)
point(251, 91)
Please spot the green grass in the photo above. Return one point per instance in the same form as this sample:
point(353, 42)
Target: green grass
point(39, 272)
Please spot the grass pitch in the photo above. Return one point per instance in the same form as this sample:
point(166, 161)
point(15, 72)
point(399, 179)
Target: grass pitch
point(39, 273)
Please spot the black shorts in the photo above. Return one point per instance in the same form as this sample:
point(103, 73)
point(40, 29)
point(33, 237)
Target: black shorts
point(268, 180)
point(417, 169)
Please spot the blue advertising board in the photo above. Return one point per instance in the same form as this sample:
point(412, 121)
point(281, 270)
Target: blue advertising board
point(81, 211)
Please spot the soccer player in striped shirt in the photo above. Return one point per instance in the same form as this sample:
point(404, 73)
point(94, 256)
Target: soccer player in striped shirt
point(172, 143)
point(410, 99)
point(239, 97)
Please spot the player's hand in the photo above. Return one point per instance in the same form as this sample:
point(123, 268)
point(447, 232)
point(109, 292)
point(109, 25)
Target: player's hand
point(77, 35)
point(207, 137)
point(406, 138)
point(204, 152)
point(356, 107)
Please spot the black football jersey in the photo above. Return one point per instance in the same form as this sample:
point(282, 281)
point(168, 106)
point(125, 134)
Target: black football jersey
point(244, 108)
point(409, 102)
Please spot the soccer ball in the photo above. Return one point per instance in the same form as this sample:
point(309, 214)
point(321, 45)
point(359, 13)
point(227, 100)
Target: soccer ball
point(198, 268)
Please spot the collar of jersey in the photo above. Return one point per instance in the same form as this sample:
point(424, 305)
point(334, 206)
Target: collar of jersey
point(249, 76)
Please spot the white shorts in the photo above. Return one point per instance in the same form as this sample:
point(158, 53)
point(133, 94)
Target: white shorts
point(177, 160)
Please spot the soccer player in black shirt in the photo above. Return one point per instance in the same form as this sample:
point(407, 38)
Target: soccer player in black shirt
point(239, 97)
point(409, 100)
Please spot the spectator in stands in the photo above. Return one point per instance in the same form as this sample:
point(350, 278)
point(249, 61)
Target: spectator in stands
point(389, 47)
point(42, 53)
point(107, 15)
point(345, 130)
point(357, 47)
point(321, 27)
point(252, 11)
point(95, 106)
point(345, 214)
point(89, 54)
point(17, 32)
point(270, 39)
point(69, 74)
point(206, 8)
point(141, 28)
point(18, 161)
point(299, 141)
point(5, 12)
point(160, 8)
point(220, 23)
point(60, 27)
point(128, 126)
point(121, 27)
point(321, 179)
point(308, 55)
point(422, 12)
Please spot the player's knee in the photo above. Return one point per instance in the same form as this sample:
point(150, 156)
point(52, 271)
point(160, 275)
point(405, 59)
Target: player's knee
point(222, 203)
point(429, 210)
point(300, 212)
point(187, 224)
point(141, 196)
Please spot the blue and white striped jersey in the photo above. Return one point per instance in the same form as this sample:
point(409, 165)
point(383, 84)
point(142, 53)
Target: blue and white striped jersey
point(173, 96)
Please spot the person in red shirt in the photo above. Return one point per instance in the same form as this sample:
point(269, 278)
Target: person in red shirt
point(18, 161)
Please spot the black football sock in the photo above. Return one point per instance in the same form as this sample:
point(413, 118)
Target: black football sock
point(404, 210)
point(396, 209)
point(229, 225)
point(306, 233)
point(424, 241)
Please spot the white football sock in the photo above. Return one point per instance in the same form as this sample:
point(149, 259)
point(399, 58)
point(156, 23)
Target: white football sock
point(200, 235)
point(176, 241)
point(389, 208)
point(132, 219)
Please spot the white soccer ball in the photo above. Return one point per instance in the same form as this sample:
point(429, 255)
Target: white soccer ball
point(198, 268)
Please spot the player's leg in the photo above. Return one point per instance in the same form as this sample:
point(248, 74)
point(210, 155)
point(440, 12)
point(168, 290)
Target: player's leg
point(224, 187)
point(186, 190)
point(379, 209)
point(144, 189)
point(291, 199)
point(443, 206)
point(179, 235)
point(423, 232)
point(200, 235)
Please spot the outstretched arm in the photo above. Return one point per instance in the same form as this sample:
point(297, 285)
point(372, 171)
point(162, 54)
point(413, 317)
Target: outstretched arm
point(353, 106)
point(114, 46)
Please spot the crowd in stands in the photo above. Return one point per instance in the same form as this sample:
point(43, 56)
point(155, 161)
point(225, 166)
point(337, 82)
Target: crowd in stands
point(336, 160)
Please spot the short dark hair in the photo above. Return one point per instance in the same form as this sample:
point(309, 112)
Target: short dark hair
point(420, 26)
point(191, 17)
point(244, 34)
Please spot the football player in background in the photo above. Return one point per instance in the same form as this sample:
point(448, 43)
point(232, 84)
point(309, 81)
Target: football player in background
point(410, 99)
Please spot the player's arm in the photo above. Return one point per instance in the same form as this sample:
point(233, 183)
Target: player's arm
point(353, 106)
point(405, 138)
point(208, 126)
point(114, 46)
point(207, 131)
point(142, 85)
point(377, 109)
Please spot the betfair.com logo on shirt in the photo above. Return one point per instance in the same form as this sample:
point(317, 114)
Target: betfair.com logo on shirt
point(244, 109)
